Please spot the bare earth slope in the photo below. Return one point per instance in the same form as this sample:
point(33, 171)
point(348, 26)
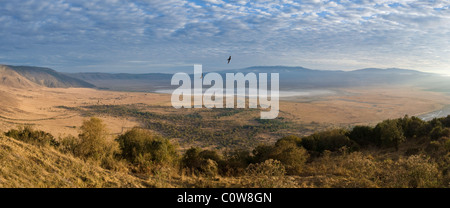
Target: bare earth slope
point(25, 165)
point(11, 78)
point(45, 77)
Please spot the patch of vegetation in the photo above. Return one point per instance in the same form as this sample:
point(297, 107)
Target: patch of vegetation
point(145, 149)
point(404, 152)
point(201, 126)
point(29, 135)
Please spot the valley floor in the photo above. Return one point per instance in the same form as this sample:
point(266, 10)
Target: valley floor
point(41, 107)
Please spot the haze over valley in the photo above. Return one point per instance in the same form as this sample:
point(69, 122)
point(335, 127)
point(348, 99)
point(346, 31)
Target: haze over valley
point(34, 95)
point(86, 98)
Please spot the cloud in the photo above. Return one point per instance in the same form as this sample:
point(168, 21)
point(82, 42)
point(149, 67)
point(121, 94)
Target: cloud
point(345, 34)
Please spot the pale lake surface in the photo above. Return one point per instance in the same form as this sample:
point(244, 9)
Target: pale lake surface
point(282, 93)
point(443, 112)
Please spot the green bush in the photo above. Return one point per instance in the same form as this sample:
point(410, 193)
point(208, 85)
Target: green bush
point(235, 163)
point(413, 127)
point(290, 155)
point(209, 167)
point(269, 167)
point(36, 137)
point(416, 171)
point(262, 153)
point(93, 141)
point(331, 140)
point(144, 148)
point(438, 132)
point(389, 134)
point(69, 144)
point(292, 138)
point(286, 151)
point(198, 161)
point(363, 135)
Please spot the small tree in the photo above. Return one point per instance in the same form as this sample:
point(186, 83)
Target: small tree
point(93, 140)
point(331, 140)
point(140, 145)
point(29, 135)
point(389, 133)
point(438, 132)
point(292, 156)
point(363, 135)
point(200, 161)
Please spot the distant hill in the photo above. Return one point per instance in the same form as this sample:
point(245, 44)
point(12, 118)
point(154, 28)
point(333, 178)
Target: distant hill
point(11, 78)
point(300, 77)
point(30, 76)
point(291, 78)
point(126, 82)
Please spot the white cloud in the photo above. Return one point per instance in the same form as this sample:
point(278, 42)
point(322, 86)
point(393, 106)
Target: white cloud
point(363, 33)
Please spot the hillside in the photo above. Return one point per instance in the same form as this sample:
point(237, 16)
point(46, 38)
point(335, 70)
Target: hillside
point(291, 78)
point(300, 77)
point(29, 76)
point(11, 78)
point(26, 165)
point(126, 82)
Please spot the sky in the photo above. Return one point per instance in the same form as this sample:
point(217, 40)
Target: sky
point(141, 36)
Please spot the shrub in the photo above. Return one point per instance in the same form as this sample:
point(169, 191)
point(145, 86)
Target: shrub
point(262, 153)
point(413, 127)
point(292, 138)
point(363, 135)
point(331, 140)
point(144, 148)
point(438, 132)
point(199, 161)
point(286, 151)
point(447, 144)
point(268, 174)
point(389, 134)
point(416, 171)
point(69, 144)
point(235, 163)
point(94, 143)
point(290, 155)
point(269, 167)
point(209, 167)
point(36, 137)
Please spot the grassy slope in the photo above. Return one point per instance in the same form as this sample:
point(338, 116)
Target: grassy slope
point(25, 165)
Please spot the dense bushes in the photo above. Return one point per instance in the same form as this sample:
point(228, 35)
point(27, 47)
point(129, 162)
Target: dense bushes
point(362, 135)
point(286, 151)
point(93, 141)
point(144, 148)
point(198, 161)
point(69, 145)
point(269, 167)
point(236, 162)
point(28, 135)
point(389, 133)
point(358, 170)
point(331, 140)
point(330, 158)
point(414, 127)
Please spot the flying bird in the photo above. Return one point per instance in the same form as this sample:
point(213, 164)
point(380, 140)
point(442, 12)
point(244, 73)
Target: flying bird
point(229, 59)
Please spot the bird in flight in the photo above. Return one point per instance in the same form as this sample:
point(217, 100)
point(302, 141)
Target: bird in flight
point(229, 59)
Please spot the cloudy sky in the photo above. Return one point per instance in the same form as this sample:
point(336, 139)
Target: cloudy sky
point(169, 35)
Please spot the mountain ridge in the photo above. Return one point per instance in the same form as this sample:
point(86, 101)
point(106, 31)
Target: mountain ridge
point(291, 78)
point(31, 76)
